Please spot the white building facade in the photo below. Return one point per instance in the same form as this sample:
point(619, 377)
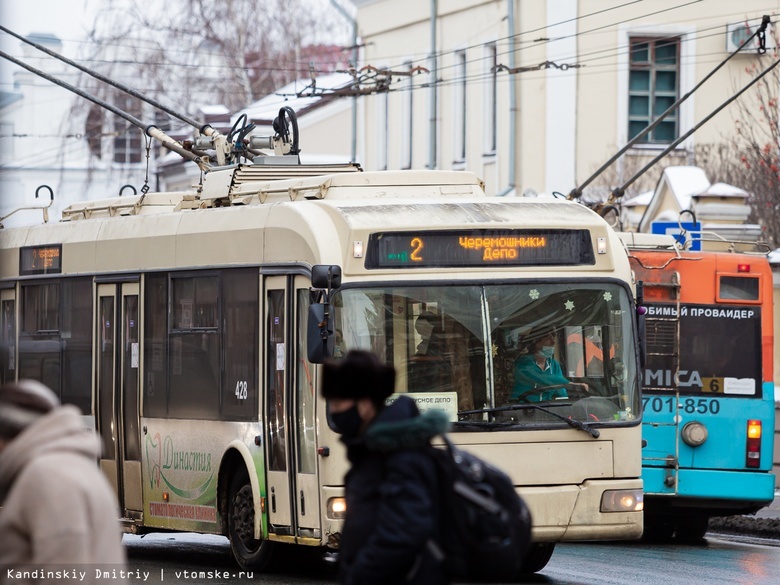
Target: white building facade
point(46, 143)
point(538, 94)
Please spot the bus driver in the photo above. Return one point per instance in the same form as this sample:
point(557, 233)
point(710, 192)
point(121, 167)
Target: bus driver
point(538, 368)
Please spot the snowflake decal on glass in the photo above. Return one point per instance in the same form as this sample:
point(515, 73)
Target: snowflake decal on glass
point(607, 296)
point(534, 294)
point(569, 305)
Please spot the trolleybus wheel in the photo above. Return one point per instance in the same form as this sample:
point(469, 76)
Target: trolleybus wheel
point(657, 529)
point(691, 529)
point(537, 557)
point(249, 552)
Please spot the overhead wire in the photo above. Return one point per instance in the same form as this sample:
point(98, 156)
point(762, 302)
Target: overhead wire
point(484, 77)
point(303, 68)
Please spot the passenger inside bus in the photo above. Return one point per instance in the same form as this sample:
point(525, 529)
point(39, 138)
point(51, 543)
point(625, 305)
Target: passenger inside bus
point(537, 368)
point(429, 367)
point(339, 349)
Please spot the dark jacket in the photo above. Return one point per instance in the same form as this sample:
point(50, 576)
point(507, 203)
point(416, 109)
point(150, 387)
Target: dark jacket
point(392, 503)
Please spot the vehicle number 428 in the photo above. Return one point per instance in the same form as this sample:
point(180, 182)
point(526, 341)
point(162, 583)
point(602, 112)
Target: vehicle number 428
point(241, 389)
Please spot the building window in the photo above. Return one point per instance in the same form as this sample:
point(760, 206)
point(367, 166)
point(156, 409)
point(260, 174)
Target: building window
point(128, 141)
point(408, 121)
point(491, 97)
point(94, 130)
point(459, 108)
point(653, 86)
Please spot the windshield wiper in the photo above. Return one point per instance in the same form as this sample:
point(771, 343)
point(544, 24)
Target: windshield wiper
point(573, 423)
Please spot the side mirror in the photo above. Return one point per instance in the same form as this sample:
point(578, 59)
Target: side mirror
point(326, 276)
point(319, 335)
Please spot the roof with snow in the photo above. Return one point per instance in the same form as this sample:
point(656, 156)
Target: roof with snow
point(722, 190)
point(641, 199)
point(684, 182)
point(673, 193)
point(215, 110)
point(267, 108)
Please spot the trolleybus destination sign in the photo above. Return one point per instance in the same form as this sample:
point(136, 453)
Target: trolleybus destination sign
point(527, 247)
point(40, 259)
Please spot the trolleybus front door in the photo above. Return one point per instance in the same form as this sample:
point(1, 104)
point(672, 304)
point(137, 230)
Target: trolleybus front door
point(276, 408)
point(7, 336)
point(118, 362)
point(293, 500)
point(305, 433)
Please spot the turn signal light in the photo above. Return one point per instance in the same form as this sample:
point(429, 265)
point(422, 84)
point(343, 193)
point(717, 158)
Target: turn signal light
point(753, 451)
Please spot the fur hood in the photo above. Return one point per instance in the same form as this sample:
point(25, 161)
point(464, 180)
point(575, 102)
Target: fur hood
point(401, 426)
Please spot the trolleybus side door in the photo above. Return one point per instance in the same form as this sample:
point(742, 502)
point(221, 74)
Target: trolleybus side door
point(7, 335)
point(305, 429)
point(275, 410)
point(289, 411)
point(118, 362)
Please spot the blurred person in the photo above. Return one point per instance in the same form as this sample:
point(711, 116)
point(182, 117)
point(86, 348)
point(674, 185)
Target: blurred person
point(392, 485)
point(58, 510)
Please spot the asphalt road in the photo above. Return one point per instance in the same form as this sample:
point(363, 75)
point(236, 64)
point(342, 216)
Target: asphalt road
point(722, 559)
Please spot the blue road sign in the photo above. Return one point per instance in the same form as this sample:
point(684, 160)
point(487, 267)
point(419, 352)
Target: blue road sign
point(692, 232)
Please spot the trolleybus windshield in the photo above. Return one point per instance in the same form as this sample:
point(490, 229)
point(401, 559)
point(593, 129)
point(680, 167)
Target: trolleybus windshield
point(462, 348)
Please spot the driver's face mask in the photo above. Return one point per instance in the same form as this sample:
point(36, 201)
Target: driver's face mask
point(547, 351)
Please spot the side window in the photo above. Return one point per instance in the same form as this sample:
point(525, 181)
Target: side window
point(7, 341)
point(39, 337)
point(55, 340)
point(653, 86)
point(194, 348)
point(41, 308)
point(76, 335)
point(240, 378)
point(155, 382)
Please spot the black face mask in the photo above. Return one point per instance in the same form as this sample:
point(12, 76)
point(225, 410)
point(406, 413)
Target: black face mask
point(346, 423)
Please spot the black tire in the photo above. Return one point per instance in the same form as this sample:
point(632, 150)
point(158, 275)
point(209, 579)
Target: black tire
point(691, 529)
point(657, 530)
point(248, 552)
point(537, 557)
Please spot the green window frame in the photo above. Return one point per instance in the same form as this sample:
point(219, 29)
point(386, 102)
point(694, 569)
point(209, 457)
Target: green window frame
point(653, 86)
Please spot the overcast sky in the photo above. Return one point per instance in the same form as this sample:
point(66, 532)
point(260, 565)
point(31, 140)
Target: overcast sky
point(67, 19)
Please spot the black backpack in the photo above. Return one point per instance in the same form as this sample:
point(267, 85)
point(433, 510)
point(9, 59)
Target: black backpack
point(485, 526)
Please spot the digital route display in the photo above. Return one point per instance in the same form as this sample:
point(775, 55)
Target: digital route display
point(40, 259)
point(474, 248)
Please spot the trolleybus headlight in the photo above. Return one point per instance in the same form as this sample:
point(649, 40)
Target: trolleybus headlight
point(337, 507)
point(694, 433)
point(622, 501)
